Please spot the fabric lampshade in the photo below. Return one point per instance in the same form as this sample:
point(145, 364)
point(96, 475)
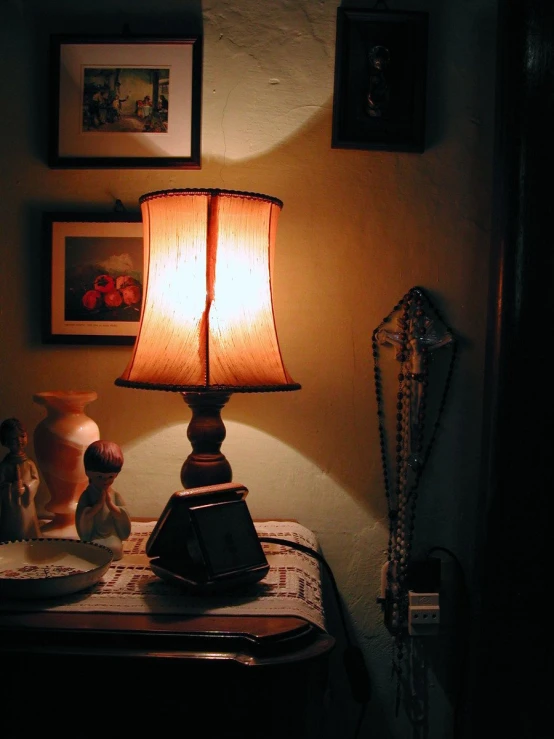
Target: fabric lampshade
point(207, 320)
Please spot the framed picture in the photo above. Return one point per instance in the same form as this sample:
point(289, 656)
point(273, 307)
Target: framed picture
point(121, 102)
point(93, 278)
point(380, 80)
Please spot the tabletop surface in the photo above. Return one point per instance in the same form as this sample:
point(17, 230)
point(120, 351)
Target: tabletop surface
point(290, 629)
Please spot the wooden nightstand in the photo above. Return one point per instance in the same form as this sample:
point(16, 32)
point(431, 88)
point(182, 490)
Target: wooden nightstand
point(91, 674)
point(82, 675)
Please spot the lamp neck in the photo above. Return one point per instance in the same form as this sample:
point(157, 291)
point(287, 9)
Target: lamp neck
point(206, 465)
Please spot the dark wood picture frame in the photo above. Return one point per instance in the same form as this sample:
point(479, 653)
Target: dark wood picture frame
point(125, 102)
point(380, 80)
point(93, 278)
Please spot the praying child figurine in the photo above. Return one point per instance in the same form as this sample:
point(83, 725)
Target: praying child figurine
point(101, 515)
point(19, 483)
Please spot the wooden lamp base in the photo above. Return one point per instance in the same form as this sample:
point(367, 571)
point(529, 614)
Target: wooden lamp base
point(206, 465)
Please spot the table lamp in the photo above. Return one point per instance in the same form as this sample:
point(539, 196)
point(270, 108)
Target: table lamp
point(207, 326)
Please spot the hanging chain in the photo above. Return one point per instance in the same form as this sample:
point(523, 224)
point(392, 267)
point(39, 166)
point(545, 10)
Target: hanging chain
point(417, 335)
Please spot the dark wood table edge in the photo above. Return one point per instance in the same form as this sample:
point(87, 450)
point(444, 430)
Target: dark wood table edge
point(249, 640)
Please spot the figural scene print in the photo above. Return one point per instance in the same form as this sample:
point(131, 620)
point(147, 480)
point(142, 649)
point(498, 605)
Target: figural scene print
point(125, 100)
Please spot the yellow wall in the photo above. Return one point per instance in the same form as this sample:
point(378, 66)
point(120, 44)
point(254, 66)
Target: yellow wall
point(358, 229)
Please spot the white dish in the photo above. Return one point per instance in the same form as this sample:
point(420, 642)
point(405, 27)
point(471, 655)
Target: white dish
point(41, 568)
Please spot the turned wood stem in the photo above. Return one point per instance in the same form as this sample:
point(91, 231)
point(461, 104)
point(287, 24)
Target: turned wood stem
point(206, 465)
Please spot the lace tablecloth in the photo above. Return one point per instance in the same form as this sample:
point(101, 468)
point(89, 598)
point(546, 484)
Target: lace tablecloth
point(292, 586)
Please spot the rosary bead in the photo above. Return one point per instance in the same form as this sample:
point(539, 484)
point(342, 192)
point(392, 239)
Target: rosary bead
point(414, 341)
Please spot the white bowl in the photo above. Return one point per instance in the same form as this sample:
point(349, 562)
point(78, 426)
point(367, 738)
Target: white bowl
point(41, 568)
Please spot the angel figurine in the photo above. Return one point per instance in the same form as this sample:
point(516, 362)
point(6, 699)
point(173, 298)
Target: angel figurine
point(19, 483)
point(101, 515)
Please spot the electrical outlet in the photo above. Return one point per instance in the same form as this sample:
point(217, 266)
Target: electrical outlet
point(423, 617)
point(423, 613)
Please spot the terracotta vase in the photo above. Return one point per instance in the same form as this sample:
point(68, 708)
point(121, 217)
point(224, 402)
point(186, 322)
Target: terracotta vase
point(60, 441)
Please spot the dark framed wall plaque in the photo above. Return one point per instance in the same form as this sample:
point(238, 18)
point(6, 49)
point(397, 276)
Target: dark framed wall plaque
point(380, 80)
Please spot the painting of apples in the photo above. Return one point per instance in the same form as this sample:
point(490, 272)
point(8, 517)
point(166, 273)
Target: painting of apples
point(103, 278)
point(93, 277)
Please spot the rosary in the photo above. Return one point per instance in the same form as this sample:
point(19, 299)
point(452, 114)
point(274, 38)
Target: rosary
point(419, 332)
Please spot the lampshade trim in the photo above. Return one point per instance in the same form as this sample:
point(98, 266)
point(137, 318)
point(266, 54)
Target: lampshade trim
point(208, 388)
point(212, 192)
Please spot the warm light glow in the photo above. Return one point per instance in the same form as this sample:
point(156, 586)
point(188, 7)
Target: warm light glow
point(207, 317)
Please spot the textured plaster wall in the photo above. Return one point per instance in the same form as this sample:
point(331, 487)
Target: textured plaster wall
point(358, 229)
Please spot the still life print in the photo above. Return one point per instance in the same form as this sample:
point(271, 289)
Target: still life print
point(103, 279)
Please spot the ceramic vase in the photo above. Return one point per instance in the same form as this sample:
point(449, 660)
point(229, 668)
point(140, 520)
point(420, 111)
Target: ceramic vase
point(60, 441)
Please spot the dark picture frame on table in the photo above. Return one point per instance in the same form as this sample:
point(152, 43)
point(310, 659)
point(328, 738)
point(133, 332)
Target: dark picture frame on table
point(380, 80)
point(125, 102)
point(93, 278)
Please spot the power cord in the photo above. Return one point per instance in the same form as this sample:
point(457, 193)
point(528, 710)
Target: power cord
point(353, 659)
point(458, 704)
